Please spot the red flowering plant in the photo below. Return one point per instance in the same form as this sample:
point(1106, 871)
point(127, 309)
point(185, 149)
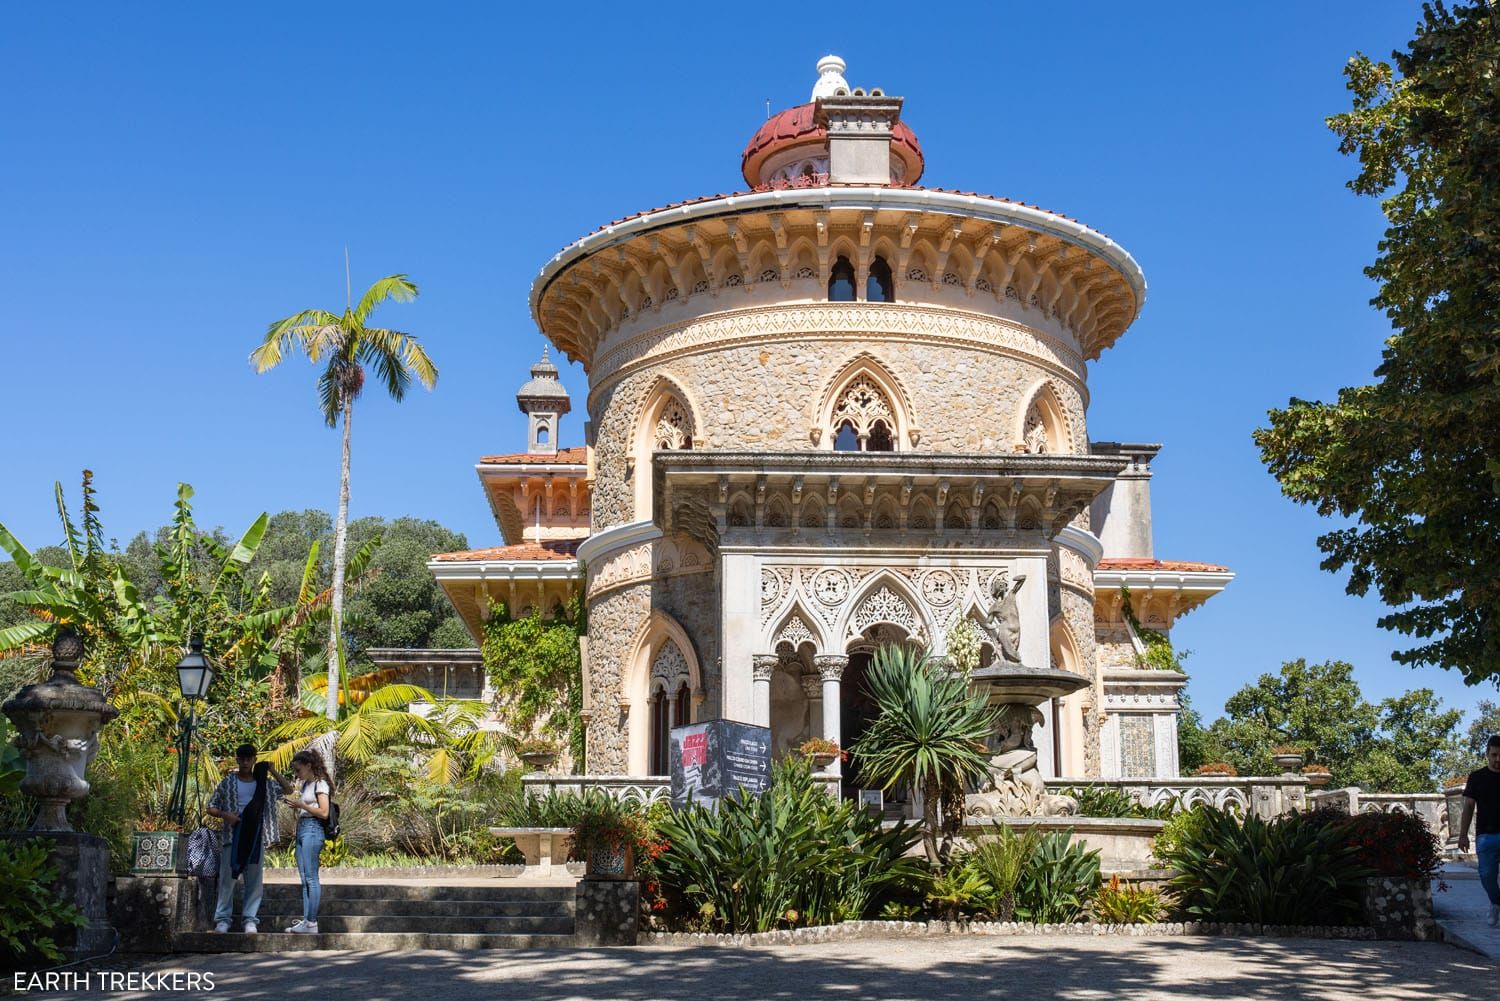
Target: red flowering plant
point(822, 745)
point(1399, 845)
point(658, 903)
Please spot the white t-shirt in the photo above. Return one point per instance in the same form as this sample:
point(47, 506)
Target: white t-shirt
point(247, 791)
point(310, 792)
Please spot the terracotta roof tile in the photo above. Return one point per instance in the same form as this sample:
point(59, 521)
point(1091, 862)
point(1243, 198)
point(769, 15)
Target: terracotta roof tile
point(798, 125)
point(549, 549)
point(1137, 563)
point(577, 456)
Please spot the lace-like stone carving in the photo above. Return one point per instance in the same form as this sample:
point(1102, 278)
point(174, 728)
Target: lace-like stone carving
point(939, 588)
point(885, 606)
point(862, 405)
point(916, 275)
point(670, 666)
point(795, 633)
point(674, 429)
point(1036, 430)
point(830, 586)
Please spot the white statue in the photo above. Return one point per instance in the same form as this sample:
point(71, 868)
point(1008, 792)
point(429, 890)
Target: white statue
point(1015, 787)
point(1004, 620)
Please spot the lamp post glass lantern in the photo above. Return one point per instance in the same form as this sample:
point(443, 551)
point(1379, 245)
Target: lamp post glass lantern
point(195, 673)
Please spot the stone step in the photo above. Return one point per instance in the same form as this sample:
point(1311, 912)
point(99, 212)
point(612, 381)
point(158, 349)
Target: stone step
point(424, 891)
point(445, 924)
point(285, 903)
point(363, 941)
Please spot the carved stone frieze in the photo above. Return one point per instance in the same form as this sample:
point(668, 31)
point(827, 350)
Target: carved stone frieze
point(659, 558)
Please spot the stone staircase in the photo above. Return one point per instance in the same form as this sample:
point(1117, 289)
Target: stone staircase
point(385, 915)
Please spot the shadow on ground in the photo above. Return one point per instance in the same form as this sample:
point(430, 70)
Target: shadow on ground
point(1252, 969)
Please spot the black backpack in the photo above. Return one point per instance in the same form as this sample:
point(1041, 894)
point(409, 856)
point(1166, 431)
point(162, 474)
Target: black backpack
point(331, 825)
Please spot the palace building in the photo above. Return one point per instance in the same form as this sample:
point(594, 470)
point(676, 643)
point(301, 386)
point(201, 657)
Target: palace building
point(834, 410)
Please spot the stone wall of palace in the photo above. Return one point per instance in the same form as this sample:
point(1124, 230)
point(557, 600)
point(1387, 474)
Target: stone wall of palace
point(615, 619)
point(963, 388)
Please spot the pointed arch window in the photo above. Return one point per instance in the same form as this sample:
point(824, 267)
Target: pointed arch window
point(683, 711)
point(841, 281)
point(880, 286)
point(863, 419)
point(659, 732)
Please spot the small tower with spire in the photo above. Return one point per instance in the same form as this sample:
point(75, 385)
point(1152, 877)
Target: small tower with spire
point(543, 400)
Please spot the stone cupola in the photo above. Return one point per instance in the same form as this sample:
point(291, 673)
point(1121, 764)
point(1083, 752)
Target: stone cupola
point(543, 400)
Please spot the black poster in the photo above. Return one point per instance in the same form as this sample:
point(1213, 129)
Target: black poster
point(710, 760)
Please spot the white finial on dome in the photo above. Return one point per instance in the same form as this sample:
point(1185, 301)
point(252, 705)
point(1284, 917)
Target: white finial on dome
point(831, 82)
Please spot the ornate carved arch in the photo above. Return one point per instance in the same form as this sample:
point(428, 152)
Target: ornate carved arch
point(885, 599)
point(666, 418)
point(660, 645)
point(865, 373)
point(794, 629)
point(1041, 423)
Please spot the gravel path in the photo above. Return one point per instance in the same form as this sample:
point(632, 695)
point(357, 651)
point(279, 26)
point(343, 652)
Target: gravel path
point(1029, 969)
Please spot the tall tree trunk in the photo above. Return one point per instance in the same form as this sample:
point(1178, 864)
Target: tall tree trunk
point(340, 558)
point(930, 794)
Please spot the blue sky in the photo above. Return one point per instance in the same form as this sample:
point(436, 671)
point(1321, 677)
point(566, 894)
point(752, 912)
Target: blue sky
point(176, 176)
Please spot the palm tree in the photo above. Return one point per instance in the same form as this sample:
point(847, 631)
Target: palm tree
point(929, 733)
point(348, 346)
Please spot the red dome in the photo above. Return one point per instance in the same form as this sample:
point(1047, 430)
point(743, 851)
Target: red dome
point(795, 127)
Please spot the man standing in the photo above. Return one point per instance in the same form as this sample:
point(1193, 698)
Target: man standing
point(1483, 792)
point(248, 809)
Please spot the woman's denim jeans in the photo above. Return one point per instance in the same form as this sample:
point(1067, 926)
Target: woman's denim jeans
point(1487, 847)
point(309, 847)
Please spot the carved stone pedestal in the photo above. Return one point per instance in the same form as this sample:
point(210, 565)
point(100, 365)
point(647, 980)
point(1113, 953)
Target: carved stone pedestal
point(151, 910)
point(82, 863)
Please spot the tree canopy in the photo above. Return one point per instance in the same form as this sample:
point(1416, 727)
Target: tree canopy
point(1411, 459)
point(1401, 744)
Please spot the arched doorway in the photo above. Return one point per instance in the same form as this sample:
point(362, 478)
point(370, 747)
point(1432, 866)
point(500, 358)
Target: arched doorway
point(857, 708)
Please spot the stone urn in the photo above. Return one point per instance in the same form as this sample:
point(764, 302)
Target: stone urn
point(1317, 780)
point(1288, 761)
point(57, 723)
point(539, 760)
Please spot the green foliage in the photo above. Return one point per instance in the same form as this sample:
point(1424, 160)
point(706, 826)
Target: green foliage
point(1059, 880)
point(1393, 747)
point(12, 766)
point(1464, 752)
point(31, 913)
point(1409, 463)
point(1192, 737)
point(402, 605)
point(790, 857)
point(1168, 841)
point(1128, 905)
point(1387, 844)
point(533, 663)
point(1002, 861)
point(958, 888)
point(1288, 871)
point(1109, 801)
point(1160, 655)
point(928, 734)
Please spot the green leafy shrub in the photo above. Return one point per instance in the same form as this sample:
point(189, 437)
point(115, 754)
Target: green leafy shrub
point(1169, 839)
point(1059, 880)
point(1128, 905)
point(793, 856)
point(31, 913)
point(1002, 861)
point(1288, 871)
point(1109, 801)
point(957, 889)
point(1387, 844)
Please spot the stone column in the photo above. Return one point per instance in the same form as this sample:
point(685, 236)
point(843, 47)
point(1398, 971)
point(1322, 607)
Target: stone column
point(831, 670)
point(812, 688)
point(763, 666)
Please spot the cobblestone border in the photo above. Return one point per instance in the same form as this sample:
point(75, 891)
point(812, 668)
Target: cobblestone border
point(851, 930)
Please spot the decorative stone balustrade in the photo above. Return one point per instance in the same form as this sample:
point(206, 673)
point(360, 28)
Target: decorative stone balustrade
point(1265, 796)
point(644, 790)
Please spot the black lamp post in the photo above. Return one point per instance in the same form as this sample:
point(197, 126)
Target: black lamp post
point(195, 673)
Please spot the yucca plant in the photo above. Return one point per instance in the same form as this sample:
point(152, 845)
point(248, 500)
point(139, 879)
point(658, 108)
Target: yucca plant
point(929, 734)
point(958, 888)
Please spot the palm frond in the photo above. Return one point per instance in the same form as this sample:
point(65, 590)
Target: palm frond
point(396, 358)
point(70, 534)
point(395, 288)
point(18, 553)
point(312, 330)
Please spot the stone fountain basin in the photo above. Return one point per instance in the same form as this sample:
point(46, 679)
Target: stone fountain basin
point(1124, 844)
point(1016, 683)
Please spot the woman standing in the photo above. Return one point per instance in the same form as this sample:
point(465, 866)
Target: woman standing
point(310, 798)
